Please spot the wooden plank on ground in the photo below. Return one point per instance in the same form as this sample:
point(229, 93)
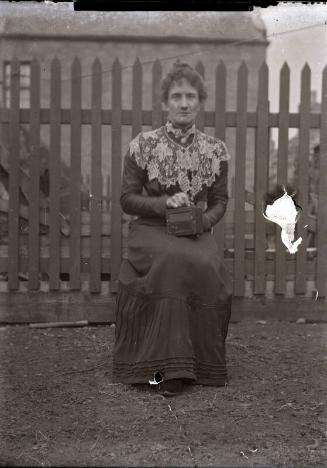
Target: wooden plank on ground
point(220, 123)
point(303, 180)
point(137, 99)
point(14, 134)
point(240, 162)
point(96, 179)
point(284, 97)
point(321, 283)
point(156, 95)
point(116, 166)
point(261, 177)
point(34, 189)
point(54, 169)
point(200, 118)
point(75, 176)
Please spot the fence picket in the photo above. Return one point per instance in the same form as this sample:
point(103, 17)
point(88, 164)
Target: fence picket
point(75, 177)
point(54, 170)
point(303, 182)
point(13, 186)
point(282, 162)
point(156, 95)
point(261, 176)
point(321, 283)
point(34, 189)
point(220, 122)
point(200, 117)
point(137, 99)
point(116, 162)
point(240, 156)
point(96, 179)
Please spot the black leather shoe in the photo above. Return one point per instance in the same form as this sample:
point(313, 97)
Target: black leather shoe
point(169, 388)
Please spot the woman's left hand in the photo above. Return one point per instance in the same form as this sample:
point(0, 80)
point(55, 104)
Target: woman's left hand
point(177, 200)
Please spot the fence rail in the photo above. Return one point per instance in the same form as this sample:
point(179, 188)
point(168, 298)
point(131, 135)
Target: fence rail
point(90, 241)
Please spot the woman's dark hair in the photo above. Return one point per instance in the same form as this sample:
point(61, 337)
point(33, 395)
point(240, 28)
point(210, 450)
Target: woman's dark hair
point(176, 74)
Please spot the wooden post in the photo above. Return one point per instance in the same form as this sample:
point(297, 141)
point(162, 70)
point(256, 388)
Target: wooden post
point(321, 283)
point(137, 99)
point(156, 95)
point(200, 118)
point(75, 177)
point(284, 97)
point(14, 142)
point(54, 170)
point(261, 172)
point(240, 161)
point(116, 167)
point(303, 180)
point(34, 191)
point(96, 179)
point(220, 131)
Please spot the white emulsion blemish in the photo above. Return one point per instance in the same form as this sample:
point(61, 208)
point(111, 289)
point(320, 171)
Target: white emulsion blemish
point(284, 213)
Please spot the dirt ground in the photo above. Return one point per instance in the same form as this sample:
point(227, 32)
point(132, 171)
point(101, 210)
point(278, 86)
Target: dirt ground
point(59, 405)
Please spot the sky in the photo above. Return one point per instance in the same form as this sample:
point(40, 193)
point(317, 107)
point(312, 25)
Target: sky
point(298, 47)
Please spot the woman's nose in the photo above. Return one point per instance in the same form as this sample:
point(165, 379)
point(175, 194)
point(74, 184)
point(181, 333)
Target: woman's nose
point(184, 103)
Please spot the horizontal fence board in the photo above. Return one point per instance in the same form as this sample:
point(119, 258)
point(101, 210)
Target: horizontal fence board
point(127, 118)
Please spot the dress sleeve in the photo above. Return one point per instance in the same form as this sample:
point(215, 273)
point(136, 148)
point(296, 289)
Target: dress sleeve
point(132, 200)
point(217, 198)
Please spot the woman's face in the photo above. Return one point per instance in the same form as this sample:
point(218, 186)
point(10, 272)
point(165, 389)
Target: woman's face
point(183, 103)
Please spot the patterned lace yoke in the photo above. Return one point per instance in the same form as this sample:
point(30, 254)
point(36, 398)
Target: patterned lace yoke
point(191, 167)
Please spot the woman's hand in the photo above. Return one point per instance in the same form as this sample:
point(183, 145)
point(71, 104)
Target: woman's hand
point(178, 200)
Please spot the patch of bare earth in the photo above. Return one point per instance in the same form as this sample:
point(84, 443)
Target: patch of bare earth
point(58, 405)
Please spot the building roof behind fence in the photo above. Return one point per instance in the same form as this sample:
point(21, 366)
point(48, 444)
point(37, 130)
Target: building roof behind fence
point(49, 19)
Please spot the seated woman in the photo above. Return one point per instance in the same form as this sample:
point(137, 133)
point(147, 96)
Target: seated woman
point(174, 299)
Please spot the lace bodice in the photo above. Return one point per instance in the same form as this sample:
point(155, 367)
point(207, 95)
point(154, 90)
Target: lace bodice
point(192, 167)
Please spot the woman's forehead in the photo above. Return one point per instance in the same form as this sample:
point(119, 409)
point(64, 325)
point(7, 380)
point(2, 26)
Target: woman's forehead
point(182, 86)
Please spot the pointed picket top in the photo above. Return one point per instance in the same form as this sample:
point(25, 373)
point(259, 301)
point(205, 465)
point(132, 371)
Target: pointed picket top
point(96, 66)
point(137, 62)
point(116, 64)
point(285, 70)
point(55, 63)
point(157, 68)
point(137, 68)
point(76, 68)
point(221, 68)
point(306, 69)
point(263, 70)
point(200, 68)
point(243, 69)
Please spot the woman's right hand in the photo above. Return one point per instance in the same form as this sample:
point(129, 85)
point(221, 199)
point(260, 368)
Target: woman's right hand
point(177, 200)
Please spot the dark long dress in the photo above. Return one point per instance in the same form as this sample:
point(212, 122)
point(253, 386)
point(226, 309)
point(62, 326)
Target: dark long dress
point(174, 299)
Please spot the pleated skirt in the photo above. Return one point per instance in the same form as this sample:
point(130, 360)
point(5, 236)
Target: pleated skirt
point(173, 308)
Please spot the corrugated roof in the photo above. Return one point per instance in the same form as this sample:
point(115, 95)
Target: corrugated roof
point(28, 18)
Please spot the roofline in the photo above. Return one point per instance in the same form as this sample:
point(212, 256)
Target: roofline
point(123, 38)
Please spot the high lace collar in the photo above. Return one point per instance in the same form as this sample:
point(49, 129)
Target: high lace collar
point(180, 133)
